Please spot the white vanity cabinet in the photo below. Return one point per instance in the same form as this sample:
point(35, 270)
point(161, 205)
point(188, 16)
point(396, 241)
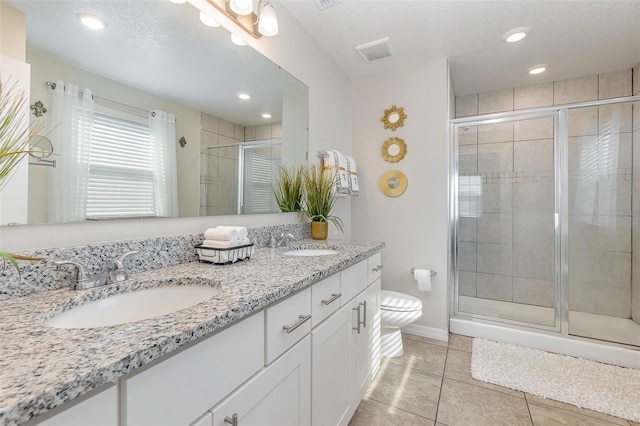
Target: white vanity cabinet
point(305, 360)
point(279, 395)
point(345, 349)
point(178, 389)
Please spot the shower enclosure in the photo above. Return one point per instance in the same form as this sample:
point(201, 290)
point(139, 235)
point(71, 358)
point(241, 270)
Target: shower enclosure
point(543, 220)
point(239, 177)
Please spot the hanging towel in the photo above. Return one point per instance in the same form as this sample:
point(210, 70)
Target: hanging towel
point(334, 160)
point(352, 171)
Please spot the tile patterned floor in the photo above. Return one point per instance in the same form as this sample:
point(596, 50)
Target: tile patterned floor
point(431, 384)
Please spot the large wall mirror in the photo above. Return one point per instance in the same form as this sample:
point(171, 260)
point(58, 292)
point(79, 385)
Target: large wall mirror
point(158, 56)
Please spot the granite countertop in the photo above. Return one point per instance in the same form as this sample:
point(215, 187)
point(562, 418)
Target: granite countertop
point(43, 367)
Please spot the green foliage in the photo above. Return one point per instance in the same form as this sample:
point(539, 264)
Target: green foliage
point(14, 145)
point(319, 195)
point(288, 190)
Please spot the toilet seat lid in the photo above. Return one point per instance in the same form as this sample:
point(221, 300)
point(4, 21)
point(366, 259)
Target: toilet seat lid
point(400, 302)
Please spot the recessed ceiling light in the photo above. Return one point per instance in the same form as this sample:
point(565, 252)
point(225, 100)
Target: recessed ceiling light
point(237, 40)
point(208, 20)
point(91, 21)
point(515, 34)
point(244, 96)
point(178, 1)
point(537, 69)
point(266, 115)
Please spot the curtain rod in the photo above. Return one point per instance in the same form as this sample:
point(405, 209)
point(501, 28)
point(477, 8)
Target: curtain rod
point(53, 86)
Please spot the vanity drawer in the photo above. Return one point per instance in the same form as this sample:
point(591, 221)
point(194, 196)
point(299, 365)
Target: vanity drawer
point(180, 388)
point(325, 298)
point(352, 281)
point(286, 323)
point(375, 267)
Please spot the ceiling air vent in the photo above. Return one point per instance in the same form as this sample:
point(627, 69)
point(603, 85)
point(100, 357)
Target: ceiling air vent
point(324, 4)
point(376, 50)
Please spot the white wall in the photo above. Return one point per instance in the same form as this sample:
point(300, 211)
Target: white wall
point(329, 127)
point(413, 225)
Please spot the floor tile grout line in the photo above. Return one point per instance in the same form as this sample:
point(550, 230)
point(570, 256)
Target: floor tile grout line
point(545, 406)
point(489, 389)
point(401, 409)
point(444, 368)
point(526, 402)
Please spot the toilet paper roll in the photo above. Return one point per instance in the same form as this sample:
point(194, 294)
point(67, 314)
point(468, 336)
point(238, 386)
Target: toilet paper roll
point(423, 277)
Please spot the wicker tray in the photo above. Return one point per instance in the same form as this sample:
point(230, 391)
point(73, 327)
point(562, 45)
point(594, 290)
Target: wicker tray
point(223, 256)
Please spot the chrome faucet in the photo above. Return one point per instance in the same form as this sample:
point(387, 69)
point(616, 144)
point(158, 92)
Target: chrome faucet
point(81, 279)
point(282, 240)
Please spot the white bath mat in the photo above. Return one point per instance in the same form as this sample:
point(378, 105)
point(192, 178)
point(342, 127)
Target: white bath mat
point(587, 384)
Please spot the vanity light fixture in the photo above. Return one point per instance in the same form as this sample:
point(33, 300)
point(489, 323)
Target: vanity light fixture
point(241, 7)
point(515, 35)
point(92, 21)
point(538, 69)
point(268, 22)
point(208, 20)
point(237, 40)
point(266, 115)
point(244, 96)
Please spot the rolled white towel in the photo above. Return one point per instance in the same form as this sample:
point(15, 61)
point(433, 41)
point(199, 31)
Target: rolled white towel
point(242, 231)
point(219, 244)
point(222, 234)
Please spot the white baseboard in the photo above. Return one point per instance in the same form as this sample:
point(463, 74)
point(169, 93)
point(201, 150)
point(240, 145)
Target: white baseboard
point(429, 332)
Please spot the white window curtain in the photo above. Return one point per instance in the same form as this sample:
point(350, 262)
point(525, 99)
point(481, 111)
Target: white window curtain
point(163, 147)
point(69, 124)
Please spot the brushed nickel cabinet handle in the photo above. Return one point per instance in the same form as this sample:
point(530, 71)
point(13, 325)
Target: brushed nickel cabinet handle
point(364, 314)
point(377, 268)
point(233, 420)
point(357, 327)
point(301, 320)
point(333, 298)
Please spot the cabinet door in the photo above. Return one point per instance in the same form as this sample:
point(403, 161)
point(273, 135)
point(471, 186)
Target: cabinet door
point(366, 342)
point(178, 389)
point(330, 374)
point(280, 395)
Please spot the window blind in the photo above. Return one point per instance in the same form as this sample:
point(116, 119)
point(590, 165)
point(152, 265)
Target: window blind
point(120, 170)
point(260, 170)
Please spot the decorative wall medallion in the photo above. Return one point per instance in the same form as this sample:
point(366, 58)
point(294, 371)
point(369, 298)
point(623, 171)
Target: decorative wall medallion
point(393, 183)
point(393, 150)
point(393, 118)
point(38, 109)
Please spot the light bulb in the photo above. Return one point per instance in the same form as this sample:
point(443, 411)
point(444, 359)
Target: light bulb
point(91, 21)
point(268, 23)
point(237, 40)
point(241, 7)
point(208, 20)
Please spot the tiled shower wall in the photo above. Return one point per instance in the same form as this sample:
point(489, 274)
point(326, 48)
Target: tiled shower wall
point(506, 217)
point(219, 167)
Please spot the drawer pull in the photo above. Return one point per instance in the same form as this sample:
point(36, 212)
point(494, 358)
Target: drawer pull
point(364, 314)
point(233, 420)
point(357, 327)
point(333, 298)
point(377, 268)
point(301, 320)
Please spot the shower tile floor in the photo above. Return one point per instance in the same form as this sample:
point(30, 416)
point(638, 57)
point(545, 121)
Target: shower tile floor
point(431, 384)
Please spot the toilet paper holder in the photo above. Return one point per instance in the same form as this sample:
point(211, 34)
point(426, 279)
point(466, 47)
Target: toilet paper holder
point(432, 271)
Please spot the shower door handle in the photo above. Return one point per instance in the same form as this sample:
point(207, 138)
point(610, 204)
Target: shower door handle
point(556, 220)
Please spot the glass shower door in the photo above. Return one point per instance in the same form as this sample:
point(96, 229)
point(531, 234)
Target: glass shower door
point(506, 234)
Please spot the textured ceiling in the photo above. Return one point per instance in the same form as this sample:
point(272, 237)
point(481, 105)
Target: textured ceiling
point(163, 49)
point(574, 38)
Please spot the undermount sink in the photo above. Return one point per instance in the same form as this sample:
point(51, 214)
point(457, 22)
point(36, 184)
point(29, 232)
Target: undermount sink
point(310, 252)
point(132, 306)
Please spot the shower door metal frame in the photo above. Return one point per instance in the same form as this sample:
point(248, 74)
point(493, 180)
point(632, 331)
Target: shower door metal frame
point(561, 232)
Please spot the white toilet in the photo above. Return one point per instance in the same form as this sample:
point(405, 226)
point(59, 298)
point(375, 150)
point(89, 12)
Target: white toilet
point(397, 310)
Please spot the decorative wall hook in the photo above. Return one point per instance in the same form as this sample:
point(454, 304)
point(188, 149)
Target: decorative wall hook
point(38, 109)
point(182, 141)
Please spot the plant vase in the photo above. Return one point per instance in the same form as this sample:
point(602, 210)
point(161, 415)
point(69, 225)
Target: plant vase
point(319, 230)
